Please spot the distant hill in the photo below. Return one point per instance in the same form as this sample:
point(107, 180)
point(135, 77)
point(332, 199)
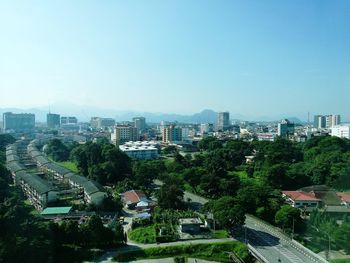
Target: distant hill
point(84, 114)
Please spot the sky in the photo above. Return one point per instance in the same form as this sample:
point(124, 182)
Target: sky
point(256, 58)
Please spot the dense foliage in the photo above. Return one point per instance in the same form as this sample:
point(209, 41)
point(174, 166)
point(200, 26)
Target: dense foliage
point(5, 139)
point(220, 171)
point(102, 162)
point(324, 230)
point(57, 150)
point(214, 252)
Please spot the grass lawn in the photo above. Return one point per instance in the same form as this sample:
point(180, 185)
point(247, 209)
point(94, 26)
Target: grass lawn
point(143, 234)
point(70, 165)
point(341, 260)
point(215, 252)
point(241, 174)
point(220, 234)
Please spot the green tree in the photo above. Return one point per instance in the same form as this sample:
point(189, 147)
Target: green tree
point(170, 196)
point(57, 150)
point(209, 143)
point(287, 216)
point(227, 213)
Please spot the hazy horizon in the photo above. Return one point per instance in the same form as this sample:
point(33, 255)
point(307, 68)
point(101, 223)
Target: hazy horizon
point(252, 58)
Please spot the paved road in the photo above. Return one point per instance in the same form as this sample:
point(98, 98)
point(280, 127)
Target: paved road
point(171, 260)
point(275, 246)
point(108, 256)
point(270, 242)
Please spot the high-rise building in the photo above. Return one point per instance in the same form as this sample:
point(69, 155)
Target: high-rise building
point(101, 123)
point(223, 122)
point(140, 123)
point(21, 122)
point(53, 120)
point(332, 120)
point(319, 121)
point(285, 128)
point(172, 134)
point(326, 121)
point(123, 134)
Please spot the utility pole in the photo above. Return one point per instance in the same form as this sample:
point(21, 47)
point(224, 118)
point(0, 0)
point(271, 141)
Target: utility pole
point(293, 229)
point(329, 246)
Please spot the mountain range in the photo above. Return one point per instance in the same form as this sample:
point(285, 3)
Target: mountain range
point(85, 113)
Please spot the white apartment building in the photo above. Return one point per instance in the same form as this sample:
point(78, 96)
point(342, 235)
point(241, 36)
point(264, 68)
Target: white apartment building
point(145, 150)
point(341, 131)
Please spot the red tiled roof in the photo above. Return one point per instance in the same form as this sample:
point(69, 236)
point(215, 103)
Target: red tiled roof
point(344, 196)
point(133, 196)
point(300, 196)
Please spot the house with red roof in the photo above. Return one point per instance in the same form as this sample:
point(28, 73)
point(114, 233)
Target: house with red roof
point(301, 199)
point(345, 198)
point(138, 200)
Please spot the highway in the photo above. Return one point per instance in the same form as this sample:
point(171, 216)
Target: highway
point(269, 241)
point(274, 246)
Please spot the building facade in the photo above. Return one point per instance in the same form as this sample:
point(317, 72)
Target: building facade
point(141, 150)
point(285, 128)
point(326, 121)
point(140, 123)
point(53, 121)
point(341, 131)
point(172, 134)
point(223, 122)
point(69, 124)
point(123, 134)
point(101, 123)
point(18, 122)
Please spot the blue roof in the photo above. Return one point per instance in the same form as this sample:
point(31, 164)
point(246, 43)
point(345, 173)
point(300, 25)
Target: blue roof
point(56, 210)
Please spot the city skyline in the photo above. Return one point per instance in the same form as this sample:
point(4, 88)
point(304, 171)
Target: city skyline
point(253, 59)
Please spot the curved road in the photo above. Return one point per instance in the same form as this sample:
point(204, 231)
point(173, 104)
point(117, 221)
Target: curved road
point(274, 246)
point(108, 256)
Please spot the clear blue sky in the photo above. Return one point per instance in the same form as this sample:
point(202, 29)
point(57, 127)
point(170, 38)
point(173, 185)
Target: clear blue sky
point(250, 57)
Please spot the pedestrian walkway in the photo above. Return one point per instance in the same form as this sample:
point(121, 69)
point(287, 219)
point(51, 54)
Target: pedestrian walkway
point(171, 260)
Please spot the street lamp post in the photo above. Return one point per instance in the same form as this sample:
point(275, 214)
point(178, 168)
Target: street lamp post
point(327, 252)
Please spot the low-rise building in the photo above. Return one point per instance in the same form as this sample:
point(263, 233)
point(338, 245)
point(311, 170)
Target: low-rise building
point(345, 198)
point(341, 131)
point(38, 191)
point(190, 225)
point(58, 172)
point(266, 136)
point(101, 123)
point(138, 200)
point(301, 199)
point(56, 212)
point(91, 191)
point(145, 150)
